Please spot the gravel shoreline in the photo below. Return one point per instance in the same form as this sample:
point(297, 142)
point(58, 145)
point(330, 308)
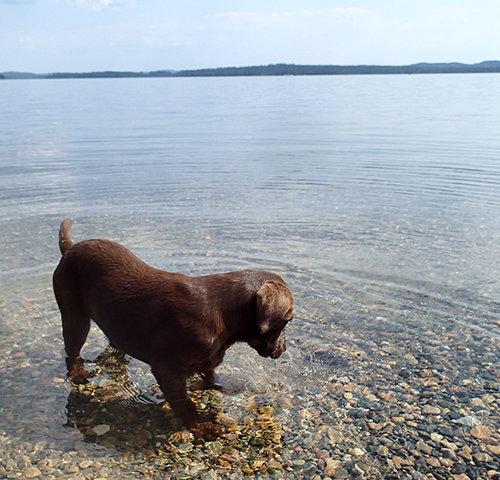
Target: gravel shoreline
point(347, 400)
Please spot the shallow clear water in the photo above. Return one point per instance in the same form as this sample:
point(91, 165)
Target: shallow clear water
point(377, 198)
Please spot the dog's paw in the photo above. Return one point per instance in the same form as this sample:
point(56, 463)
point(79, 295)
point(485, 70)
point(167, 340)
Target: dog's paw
point(206, 430)
point(79, 375)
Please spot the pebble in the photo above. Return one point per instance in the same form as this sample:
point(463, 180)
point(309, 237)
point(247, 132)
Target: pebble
point(72, 469)
point(186, 447)
point(481, 432)
point(32, 472)
point(494, 449)
point(482, 457)
point(469, 421)
point(383, 451)
point(423, 447)
point(101, 429)
point(85, 464)
point(331, 467)
point(430, 410)
point(434, 462)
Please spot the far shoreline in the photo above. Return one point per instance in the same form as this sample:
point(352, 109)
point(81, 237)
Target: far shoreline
point(282, 69)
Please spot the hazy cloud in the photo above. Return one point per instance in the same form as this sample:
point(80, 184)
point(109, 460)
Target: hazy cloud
point(99, 5)
point(17, 2)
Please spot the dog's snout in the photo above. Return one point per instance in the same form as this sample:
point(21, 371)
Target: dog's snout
point(280, 346)
point(278, 352)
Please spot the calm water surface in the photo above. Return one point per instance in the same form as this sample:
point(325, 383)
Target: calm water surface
point(377, 198)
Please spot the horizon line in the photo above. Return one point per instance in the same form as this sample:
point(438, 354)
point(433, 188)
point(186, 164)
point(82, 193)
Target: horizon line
point(486, 66)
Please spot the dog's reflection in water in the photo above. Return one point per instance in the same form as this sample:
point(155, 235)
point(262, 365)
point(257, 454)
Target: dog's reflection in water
point(117, 413)
point(114, 412)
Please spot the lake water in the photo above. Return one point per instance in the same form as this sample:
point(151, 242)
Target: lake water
point(377, 198)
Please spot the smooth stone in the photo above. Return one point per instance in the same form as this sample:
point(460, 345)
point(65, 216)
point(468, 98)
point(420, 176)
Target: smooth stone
point(448, 453)
point(32, 472)
point(196, 468)
point(398, 461)
point(331, 467)
point(341, 473)
point(477, 402)
point(185, 447)
point(383, 451)
point(435, 437)
point(213, 447)
point(482, 457)
point(274, 465)
point(358, 452)
point(233, 459)
point(101, 429)
point(494, 449)
point(468, 421)
point(433, 462)
point(423, 447)
point(450, 445)
point(72, 469)
point(481, 431)
point(85, 464)
point(334, 435)
point(430, 410)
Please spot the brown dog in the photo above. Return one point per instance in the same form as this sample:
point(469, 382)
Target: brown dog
point(177, 324)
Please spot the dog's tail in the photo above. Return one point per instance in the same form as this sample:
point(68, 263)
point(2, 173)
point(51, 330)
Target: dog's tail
point(65, 241)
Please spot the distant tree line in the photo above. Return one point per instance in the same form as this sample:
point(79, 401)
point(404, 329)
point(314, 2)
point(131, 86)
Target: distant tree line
point(2, 77)
point(291, 69)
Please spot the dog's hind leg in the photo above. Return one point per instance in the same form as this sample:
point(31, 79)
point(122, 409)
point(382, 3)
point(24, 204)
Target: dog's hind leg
point(75, 323)
point(75, 331)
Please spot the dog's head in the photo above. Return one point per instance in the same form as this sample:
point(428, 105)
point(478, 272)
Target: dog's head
point(274, 310)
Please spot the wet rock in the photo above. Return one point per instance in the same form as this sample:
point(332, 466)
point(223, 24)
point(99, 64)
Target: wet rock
point(430, 410)
point(101, 429)
point(32, 472)
point(434, 462)
point(494, 449)
point(72, 469)
point(85, 464)
point(186, 447)
point(341, 473)
point(331, 467)
point(423, 447)
point(469, 421)
point(482, 457)
point(383, 451)
point(481, 432)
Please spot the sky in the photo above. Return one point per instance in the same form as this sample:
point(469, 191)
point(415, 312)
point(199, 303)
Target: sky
point(44, 36)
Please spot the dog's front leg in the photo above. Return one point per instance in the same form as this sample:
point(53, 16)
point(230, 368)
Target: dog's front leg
point(174, 388)
point(210, 380)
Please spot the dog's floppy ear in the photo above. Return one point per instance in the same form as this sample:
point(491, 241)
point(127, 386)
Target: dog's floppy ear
point(274, 302)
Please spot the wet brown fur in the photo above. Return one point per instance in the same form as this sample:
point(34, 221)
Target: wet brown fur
point(179, 325)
